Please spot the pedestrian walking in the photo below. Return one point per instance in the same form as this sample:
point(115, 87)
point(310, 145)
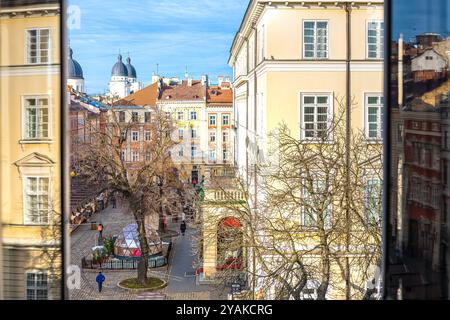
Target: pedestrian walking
point(100, 279)
point(183, 227)
point(100, 231)
point(113, 201)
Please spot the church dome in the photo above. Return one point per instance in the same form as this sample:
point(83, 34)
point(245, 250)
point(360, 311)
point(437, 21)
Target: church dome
point(119, 69)
point(130, 69)
point(75, 70)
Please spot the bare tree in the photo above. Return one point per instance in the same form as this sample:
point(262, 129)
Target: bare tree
point(317, 219)
point(150, 183)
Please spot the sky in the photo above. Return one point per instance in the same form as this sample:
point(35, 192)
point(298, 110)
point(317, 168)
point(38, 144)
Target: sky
point(413, 17)
point(175, 34)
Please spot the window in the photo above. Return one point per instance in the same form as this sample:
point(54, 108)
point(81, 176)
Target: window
point(147, 117)
point(374, 105)
point(36, 286)
point(225, 120)
point(225, 137)
point(261, 43)
point(167, 115)
point(212, 120)
point(121, 116)
point(123, 155)
point(373, 200)
point(134, 117)
point(193, 115)
point(181, 152)
point(134, 156)
point(181, 134)
point(193, 134)
point(180, 115)
point(375, 40)
point(212, 155)
point(315, 39)
point(148, 156)
point(316, 204)
point(193, 151)
point(212, 136)
point(400, 132)
point(36, 115)
point(225, 154)
point(134, 136)
point(315, 118)
point(38, 46)
point(148, 135)
point(37, 200)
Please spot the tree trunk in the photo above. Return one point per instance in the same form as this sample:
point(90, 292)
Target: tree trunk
point(143, 262)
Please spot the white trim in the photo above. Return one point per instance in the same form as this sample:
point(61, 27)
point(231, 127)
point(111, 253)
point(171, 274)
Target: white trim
point(31, 70)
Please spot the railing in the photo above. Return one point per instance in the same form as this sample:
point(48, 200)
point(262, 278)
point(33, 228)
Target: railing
point(122, 264)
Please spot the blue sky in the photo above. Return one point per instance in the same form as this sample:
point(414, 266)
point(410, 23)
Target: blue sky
point(412, 17)
point(174, 33)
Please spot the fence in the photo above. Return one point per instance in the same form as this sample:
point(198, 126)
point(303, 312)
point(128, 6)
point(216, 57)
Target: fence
point(126, 264)
point(122, 264)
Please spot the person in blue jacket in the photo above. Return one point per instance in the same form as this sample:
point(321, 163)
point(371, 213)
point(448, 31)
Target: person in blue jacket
point(100, 279)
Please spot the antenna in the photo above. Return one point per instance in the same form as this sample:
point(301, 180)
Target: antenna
point(157, 69)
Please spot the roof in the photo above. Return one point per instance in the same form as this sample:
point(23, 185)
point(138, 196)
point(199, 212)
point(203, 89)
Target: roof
point(119, 69)
point(75, 70)
point(218, 95)
point(145, 97)
point(184, 92)
point(131, 70)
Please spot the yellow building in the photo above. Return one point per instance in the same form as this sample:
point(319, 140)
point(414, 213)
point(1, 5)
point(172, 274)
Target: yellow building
point(30, 149)
point(295, 62)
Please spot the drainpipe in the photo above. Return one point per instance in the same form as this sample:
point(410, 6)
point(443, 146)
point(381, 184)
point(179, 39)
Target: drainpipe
point(347, 144)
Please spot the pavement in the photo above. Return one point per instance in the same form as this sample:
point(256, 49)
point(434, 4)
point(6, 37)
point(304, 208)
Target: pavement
point(179, 273)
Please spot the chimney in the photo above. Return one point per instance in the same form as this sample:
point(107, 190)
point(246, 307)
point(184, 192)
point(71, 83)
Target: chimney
point(189, 81)
point(205, 80)
point(400, 71)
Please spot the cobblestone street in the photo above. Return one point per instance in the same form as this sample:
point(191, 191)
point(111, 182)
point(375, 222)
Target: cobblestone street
point(179, 273)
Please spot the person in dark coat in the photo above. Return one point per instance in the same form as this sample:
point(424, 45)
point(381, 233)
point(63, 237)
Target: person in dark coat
point(183, 228)
point(100, 279)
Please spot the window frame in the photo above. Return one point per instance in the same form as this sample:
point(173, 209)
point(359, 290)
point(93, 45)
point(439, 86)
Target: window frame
point(315, 39)
point(379, 43)
point(133, 132)
point(330, 114)
point(26, 219)
point(381, 105)
point(38, 52)
point(49, 137)
point(35, 287)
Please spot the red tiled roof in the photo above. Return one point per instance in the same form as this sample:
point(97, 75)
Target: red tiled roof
point(218, 95)
point(183, 91)
point(145, 97)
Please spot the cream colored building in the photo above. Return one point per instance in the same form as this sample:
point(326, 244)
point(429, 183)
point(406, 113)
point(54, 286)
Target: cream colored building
point(293, 61)
point(30, 149)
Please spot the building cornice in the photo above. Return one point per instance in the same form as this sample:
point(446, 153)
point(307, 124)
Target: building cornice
point(256, 8)
point(30, 11)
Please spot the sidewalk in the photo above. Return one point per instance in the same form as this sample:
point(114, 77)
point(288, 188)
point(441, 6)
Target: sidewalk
point(82, 240)
point(182, 284)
